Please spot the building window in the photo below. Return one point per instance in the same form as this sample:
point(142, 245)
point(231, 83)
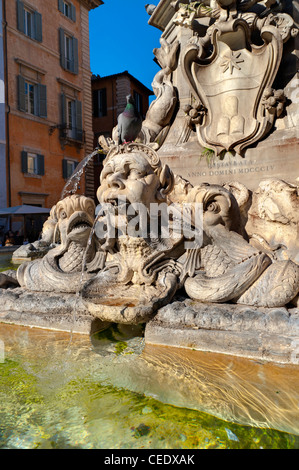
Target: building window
point(68, 168)
point(138, 101)
point(32, 166)
point(32, 97)
point(68, 9)
point(100, 103)
point(29, 21)
point(71, 118)
point(68, 52)
point(32, 163)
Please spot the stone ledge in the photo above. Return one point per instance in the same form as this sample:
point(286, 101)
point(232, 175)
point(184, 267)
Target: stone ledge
point(256, 333)
point(52, 311)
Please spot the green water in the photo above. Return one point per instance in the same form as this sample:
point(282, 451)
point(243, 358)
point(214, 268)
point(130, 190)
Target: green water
point(52, 400)
point(5, 262)
point(59, 392)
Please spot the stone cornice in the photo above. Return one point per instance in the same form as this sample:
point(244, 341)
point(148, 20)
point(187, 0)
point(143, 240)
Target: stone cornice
point(162, 14)
point(30, 66)
point(68, 84)
point(92, 4)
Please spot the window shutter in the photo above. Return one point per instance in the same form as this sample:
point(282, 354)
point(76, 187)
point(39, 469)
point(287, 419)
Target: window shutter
point(79, 127)
point(24, 163)
point(20, 15)
point(42, 100)
point(73, 12)
point(60, 5)
point(62, 48)
point(64, 169)
point(75, 64)
point(40, 165)
point(21, 93)
point(36, 100)
point(38, 26)
point(63, 110)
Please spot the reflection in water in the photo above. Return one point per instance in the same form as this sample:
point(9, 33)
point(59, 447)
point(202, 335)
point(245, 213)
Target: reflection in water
point(112, 393)
point(235, 389)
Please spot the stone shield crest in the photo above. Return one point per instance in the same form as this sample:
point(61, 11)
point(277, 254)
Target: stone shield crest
point(233, 84)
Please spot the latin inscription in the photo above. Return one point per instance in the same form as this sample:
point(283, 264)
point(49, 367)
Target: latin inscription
point(233, 168)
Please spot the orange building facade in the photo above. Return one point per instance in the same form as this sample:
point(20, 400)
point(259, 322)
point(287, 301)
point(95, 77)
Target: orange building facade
point(48, 98)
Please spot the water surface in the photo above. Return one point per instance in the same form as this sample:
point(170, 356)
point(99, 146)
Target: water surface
point(61, 394)
point(5, 261)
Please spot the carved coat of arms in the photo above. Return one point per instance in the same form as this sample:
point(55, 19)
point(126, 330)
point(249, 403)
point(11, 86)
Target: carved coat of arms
point(231, 77)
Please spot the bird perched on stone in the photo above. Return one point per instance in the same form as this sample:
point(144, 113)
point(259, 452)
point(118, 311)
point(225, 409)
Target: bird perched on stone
point(129, 122)
point(150, 8)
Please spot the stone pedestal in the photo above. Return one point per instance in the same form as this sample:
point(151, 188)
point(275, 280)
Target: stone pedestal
point(275, 157)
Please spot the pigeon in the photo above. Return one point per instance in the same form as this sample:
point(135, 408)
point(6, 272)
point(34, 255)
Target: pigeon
point(150, 8)
point(129, 122)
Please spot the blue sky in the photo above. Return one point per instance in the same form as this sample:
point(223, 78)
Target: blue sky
point(121, 39)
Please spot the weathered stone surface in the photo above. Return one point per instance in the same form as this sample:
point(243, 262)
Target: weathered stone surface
point(262, 333)
point(129, 304)
point(274, 215)
point(29, 252)
point(63, 312)
point(274, 157)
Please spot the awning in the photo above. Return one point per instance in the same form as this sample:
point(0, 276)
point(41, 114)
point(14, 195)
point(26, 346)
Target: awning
point(23, 210)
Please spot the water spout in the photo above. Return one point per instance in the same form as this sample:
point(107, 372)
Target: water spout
point(72, 183)
point(71, 187)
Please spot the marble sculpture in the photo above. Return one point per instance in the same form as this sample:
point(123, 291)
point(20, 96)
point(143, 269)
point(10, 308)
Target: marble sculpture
point(247, 250)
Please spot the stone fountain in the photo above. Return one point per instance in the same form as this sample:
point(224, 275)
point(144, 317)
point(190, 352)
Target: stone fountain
point(207, 262)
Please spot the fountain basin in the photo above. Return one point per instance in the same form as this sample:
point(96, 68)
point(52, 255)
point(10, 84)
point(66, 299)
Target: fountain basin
point(59, 391)
point(270, 334)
